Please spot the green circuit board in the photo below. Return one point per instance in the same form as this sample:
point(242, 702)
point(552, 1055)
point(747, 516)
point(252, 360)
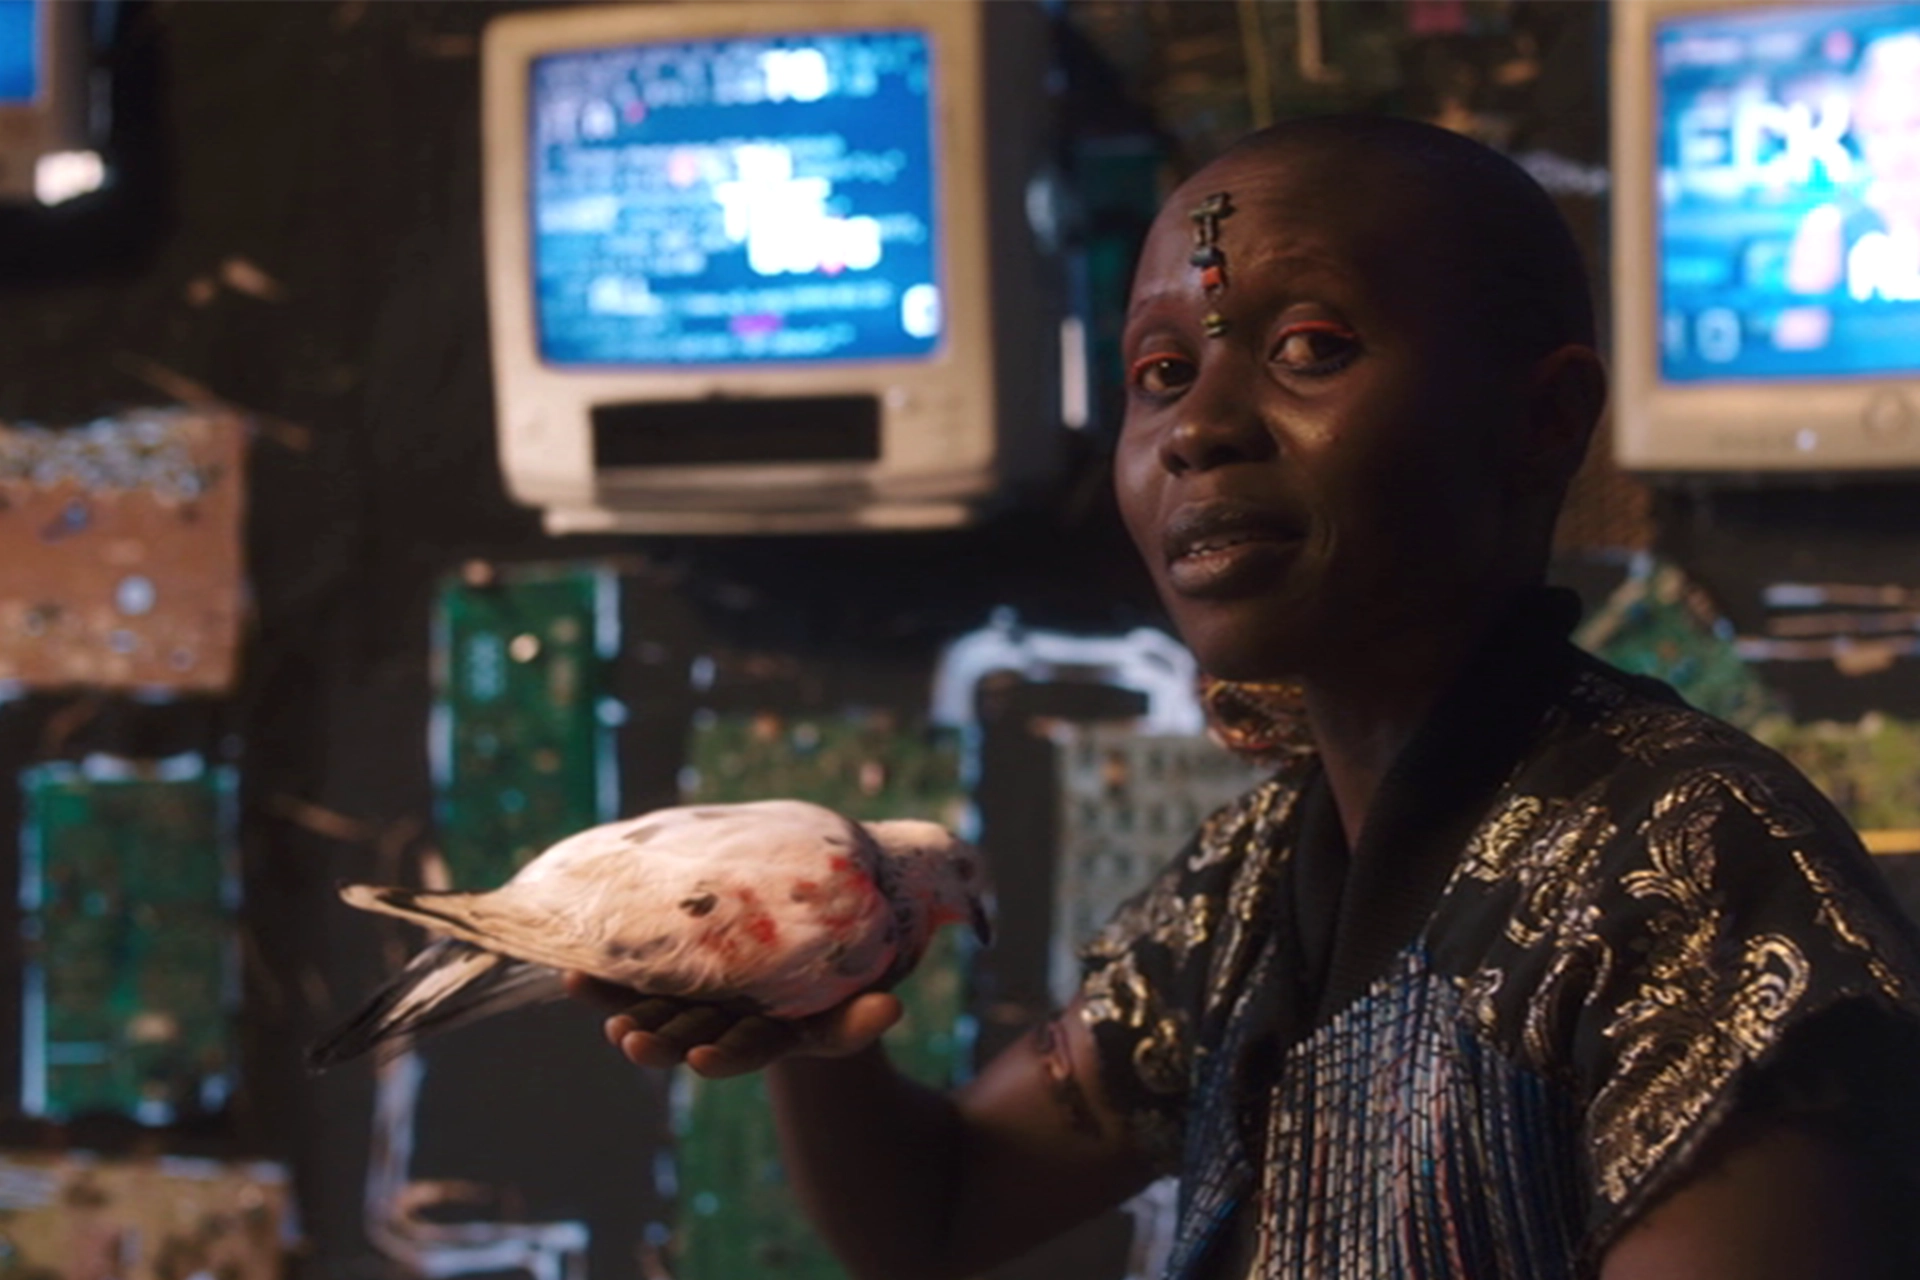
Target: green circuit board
point(1658, 623)
point(1870, 769)
point(523, 750)
point(737, 1215)
point(128, 897)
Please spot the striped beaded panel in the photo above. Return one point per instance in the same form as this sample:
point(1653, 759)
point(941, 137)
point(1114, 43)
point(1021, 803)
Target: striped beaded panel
point(1400, 1144)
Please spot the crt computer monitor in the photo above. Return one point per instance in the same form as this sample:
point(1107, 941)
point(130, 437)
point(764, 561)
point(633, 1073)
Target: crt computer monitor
point(1766, 243)
point(755, 267)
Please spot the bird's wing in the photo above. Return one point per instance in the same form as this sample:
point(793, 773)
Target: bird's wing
point(482, 919)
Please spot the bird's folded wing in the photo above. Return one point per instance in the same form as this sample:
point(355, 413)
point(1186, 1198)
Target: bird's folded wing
point(523, 931)
point(669, 959)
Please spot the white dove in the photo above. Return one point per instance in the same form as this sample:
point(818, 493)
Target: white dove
point(779, 906)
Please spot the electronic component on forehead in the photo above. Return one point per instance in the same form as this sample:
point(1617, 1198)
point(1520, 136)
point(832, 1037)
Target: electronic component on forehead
point(1209, 258)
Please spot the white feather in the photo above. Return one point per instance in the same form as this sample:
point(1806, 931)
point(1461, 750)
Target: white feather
point(779, 903)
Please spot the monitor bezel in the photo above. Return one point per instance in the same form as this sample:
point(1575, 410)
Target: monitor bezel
point(547, 456)
point(1756, 425)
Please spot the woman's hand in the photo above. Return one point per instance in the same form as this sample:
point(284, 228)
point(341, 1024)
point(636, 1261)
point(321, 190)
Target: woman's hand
point(659, 1031)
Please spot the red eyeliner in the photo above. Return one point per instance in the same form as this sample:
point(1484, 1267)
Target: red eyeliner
point(1133, 370)
point(1319, 326)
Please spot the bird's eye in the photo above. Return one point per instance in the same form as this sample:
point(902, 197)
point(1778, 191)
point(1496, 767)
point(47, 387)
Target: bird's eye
point(1315, 348)
point(1160, 374)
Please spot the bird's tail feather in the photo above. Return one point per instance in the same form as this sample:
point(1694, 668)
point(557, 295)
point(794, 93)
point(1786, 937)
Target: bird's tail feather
point(440, 911)
point(448, 985)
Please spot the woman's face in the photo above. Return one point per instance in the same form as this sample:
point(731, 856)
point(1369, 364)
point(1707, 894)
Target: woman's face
point(1311, 485)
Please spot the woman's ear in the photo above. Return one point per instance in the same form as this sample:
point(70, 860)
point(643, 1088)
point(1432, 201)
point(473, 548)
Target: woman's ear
point(1565, 395)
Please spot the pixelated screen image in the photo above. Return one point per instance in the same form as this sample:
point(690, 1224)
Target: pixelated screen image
point(763, 198)
point(19, 56)
point(1789, 192)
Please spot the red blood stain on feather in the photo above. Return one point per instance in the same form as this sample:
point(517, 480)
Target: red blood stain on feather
point(720, 940)
point(754, 920)
point(737, 937)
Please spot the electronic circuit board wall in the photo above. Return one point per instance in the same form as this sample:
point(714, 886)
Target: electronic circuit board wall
point(128, 894)
point(1128, 801)
point(737, 1214)
point(522, 736)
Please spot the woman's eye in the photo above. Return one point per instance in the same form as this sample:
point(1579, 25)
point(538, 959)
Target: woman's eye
point(1318, 348)
point(1160, 374)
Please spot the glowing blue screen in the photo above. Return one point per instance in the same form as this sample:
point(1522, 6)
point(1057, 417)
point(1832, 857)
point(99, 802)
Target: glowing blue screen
point(1789, 193)
point(19, 54)
point(766, 198)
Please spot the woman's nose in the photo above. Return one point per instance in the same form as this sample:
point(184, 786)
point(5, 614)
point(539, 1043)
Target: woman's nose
point(1215, 431)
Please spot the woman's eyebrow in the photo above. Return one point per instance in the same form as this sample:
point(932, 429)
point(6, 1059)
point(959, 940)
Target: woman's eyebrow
point(1148, 301)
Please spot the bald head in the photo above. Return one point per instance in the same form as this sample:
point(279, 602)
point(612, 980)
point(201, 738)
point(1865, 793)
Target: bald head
point(1378, 336)
point(1511, 260)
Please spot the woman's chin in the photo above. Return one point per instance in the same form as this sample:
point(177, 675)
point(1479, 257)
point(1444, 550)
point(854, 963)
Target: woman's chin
point(1268, 665)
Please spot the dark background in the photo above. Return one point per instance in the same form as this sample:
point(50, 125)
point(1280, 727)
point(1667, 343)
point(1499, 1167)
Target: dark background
point(336, 146)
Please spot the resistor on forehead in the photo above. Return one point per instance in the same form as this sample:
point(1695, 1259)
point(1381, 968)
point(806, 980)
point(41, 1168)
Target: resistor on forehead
point(1209, 259)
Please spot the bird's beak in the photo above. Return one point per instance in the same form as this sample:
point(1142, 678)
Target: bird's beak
point(983, 920)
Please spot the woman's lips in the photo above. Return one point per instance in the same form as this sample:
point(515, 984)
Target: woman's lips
point(1226, 547)
point(1230, 566)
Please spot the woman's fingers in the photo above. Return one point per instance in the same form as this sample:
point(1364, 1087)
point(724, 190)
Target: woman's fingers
point(584, 986)
point(658, 1031)
point(748, 1045)
point(644, 1049)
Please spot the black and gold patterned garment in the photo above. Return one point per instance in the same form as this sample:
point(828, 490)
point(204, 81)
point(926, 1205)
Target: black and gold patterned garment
point(1586, 928)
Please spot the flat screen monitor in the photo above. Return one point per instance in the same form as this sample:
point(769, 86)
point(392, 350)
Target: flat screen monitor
point(769, 257)
point(1767, 235)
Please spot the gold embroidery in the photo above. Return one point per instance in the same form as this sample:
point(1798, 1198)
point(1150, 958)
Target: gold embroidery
point(1682, 1043)
point(1863, 930)
point(1701, 1012)
point(1651, 732)
point(1249, 825)
point(1479, 996)
point(1784, 817)
point(1161, 1058)
point(1118, 993)
point(1549, 850)
point(1247, 899)
point(1491, 851)
point(1557, 876)
point(1580, 967)
point(1161, 916)
point(1263, 846)
point(1114, 992)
